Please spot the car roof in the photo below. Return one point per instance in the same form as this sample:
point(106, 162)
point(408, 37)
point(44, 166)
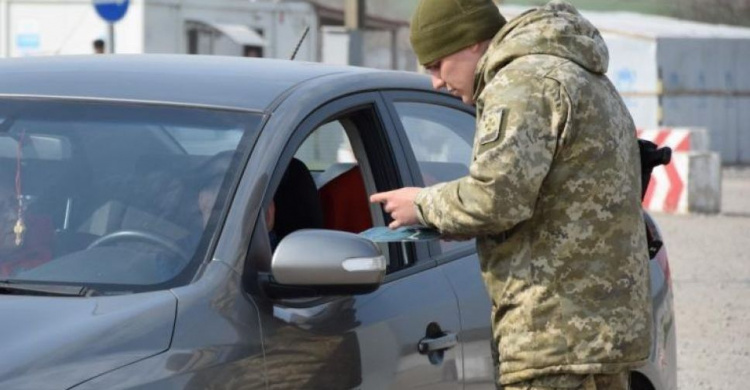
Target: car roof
point(229, 82)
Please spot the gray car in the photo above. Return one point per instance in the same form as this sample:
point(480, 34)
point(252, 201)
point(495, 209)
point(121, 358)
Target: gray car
point(186, 222)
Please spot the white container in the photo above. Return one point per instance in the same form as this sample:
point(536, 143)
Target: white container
point(220, 27)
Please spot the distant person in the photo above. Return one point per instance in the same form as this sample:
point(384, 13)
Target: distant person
point(99, 46)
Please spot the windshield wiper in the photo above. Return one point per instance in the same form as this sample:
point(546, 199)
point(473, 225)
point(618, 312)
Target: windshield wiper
point(62, 290)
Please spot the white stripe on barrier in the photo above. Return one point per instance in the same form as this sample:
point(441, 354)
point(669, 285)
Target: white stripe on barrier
point(659, 180)
point(681, 163)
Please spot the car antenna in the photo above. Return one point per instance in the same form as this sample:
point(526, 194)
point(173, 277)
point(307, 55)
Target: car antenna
point(304, 34)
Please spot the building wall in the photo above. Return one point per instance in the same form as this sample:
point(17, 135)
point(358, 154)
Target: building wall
point(50, 27)
point(633, 71)
point(741, 80)
point(281, 25)
point(706, 85)
point(29, 28)
point(163, 28)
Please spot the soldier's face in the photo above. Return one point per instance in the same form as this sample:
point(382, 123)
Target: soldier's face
point(455, 72)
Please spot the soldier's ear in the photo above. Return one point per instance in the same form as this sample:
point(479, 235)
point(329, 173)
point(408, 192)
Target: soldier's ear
point(480, 47)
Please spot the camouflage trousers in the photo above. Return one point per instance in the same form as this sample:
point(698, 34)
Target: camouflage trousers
point(575, 382)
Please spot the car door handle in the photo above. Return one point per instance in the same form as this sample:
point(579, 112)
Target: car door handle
point(441, 343)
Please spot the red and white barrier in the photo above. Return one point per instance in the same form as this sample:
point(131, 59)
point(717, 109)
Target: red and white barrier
point(691, 182)
point(680, 139)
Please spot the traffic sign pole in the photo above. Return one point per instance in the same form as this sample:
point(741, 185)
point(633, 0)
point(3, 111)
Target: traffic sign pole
point(111, 11)
point(111, 35)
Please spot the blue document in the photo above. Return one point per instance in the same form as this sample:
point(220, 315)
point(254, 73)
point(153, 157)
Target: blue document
point(402, 234)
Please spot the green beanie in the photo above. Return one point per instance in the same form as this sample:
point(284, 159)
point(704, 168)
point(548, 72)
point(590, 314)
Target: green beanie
point(443, 27)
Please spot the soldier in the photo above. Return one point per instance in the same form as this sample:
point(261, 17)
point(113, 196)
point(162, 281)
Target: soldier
point(552, 195)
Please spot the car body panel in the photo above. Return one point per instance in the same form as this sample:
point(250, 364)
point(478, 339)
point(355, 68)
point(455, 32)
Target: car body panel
point(474, 304)
point(217, 335)
point(242, 84)
point(661, 369)
point(368, 341)
point(64, 341)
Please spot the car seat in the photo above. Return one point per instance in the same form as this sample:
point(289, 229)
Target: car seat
point(297, 203)
point(345, 201)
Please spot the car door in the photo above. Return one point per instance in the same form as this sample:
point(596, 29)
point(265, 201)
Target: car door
point(438, 134)
point(400, 336)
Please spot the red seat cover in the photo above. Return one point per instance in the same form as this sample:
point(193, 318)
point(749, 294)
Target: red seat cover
point(345, 202)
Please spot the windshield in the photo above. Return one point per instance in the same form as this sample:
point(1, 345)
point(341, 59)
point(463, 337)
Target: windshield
point(119, 196)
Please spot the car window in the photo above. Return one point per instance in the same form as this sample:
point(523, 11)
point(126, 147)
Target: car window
point(337, 155)
point(441, 139)
point(115, 195)
point(326, 146)
point(327, 152)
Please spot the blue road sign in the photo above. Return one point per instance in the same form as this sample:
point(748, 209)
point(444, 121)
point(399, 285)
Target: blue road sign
point(111, 10)
point(27, 41)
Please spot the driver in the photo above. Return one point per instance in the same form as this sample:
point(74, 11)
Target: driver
point(295, 204)
point(210, 176)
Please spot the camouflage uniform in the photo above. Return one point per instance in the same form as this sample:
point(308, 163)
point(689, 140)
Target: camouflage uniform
point(553, 197)
point(575, 382)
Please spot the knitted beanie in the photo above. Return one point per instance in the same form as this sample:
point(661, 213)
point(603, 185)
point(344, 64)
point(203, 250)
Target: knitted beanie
point(443, 27)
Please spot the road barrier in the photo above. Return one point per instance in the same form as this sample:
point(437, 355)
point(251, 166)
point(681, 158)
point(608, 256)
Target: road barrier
point(691, 182)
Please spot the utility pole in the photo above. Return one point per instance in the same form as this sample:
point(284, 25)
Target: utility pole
point(354, 21)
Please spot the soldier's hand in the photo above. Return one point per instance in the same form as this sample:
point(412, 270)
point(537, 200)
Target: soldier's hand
point(400, 205)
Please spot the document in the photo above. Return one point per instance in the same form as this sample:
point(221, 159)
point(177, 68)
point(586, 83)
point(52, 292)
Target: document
point(402, 234)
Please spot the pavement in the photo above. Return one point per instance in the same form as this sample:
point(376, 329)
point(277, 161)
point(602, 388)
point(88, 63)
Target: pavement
point(710, 262)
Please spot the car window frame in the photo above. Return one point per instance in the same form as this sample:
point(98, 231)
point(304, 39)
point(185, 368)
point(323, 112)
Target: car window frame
point(399, 174)
point(436, 98)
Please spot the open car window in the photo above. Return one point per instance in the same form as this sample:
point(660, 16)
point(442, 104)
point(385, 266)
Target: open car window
point(118, 196)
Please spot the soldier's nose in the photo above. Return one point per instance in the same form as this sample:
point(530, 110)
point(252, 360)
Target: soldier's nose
point(437, 82)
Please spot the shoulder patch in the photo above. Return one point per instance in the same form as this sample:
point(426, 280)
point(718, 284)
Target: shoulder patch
point(491, 123)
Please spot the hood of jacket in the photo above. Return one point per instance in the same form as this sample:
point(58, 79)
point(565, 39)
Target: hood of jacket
point(556, 29)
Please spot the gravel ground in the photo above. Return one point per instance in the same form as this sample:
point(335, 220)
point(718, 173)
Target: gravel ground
point(710, 263)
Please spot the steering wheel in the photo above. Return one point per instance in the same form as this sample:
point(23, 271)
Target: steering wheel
point(137, 235)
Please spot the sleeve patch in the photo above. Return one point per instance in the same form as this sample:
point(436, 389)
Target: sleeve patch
point(491, 124)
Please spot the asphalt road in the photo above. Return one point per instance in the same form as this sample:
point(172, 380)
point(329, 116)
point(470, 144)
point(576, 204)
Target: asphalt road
point(710, 262)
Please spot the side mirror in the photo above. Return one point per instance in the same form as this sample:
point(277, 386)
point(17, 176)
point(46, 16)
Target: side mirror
point(325, 262)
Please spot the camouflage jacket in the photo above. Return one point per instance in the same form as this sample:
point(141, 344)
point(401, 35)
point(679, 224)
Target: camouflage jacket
point(553, 197)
